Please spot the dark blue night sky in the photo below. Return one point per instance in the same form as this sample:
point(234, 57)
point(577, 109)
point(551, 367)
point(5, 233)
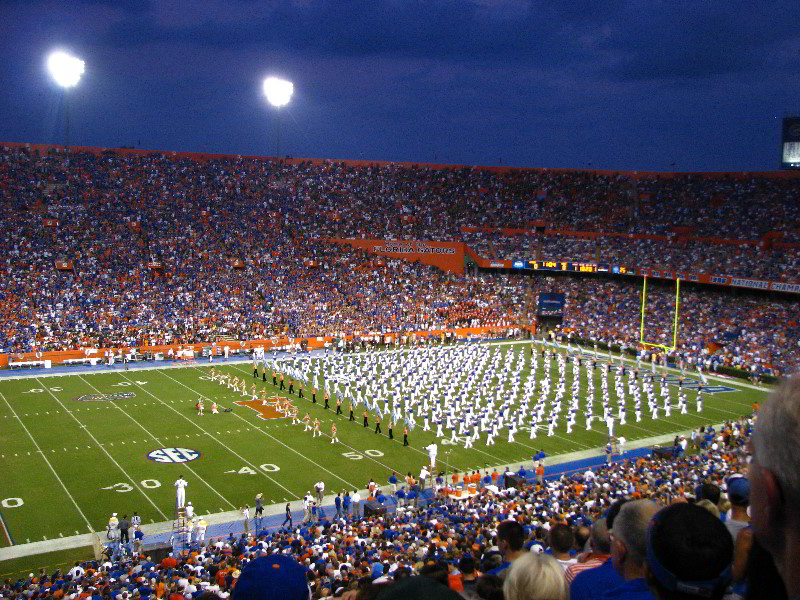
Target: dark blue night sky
point(671, 85)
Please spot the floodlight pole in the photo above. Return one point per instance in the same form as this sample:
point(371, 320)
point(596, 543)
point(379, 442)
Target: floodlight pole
point(66, 117)
point(279, 93)
point(66, 71)
point(277, 133)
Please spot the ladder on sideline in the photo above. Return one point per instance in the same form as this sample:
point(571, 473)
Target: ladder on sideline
point(180, 530)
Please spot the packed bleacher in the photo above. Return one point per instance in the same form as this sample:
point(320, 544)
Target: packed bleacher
point(162, 249)
point(467, 545)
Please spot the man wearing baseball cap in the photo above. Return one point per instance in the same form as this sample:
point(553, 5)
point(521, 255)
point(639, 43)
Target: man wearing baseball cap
point(688, 555)
point(739, 496)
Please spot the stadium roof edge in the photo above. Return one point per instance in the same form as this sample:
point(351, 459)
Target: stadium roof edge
point(207, 156)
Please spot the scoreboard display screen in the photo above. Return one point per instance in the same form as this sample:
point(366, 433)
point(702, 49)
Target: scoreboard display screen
point(790, 143)
point(578, 267)
point(551, 305)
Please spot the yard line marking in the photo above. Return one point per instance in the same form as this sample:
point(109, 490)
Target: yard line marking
point(240, 457)
point(394, 440)
point(111, 458)
point(143, 428)
point(60, 534)
point(77, 532)
point(6, 532)
point(265, 433)
point(78, 508)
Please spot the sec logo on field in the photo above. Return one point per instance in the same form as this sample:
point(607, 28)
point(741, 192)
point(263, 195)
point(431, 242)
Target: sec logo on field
point(173, 455)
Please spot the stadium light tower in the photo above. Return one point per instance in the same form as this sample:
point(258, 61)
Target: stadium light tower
point(66, 71)
point(279, 93)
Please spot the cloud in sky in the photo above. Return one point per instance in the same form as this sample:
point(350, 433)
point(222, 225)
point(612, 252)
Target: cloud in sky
point(618, 84)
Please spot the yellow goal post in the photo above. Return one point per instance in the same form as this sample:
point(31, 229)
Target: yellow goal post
point(675, 321)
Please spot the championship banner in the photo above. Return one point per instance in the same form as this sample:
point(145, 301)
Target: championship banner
point(448, 256)
point(64, 265)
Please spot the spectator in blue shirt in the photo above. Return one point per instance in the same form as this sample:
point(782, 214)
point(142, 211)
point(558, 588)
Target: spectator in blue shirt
point(346, 504)
point(591, 583)
point(629, 550)
point(338, 503)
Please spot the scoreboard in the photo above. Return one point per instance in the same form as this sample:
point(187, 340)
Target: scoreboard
point(790, 143)
point(579, 267)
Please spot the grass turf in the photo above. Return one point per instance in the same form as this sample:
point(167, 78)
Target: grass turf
point(19, 568)
point(68, 464)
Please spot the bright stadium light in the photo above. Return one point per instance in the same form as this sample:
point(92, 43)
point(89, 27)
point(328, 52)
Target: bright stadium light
point(278, 91)
point(65, 69)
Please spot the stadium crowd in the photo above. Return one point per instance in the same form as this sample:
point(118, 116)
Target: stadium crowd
point(543, 540)
point(165, 249)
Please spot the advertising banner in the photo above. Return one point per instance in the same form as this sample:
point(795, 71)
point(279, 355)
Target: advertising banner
point(448, 256)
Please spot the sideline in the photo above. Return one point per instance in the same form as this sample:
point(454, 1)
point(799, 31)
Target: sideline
point(234, 516)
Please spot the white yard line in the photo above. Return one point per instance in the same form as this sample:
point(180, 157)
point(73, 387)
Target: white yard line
point(160, 443)
point(239, 456)
point(99, 445)
point(398, 441)
point(33, 439)
point(351, 447)
point(269, 436)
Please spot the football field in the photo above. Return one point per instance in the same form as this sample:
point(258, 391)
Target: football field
point(76, 447)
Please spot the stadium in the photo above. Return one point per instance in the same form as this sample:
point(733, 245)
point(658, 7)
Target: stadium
point(388, 375)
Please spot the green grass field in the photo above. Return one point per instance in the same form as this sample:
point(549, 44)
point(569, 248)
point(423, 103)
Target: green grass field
point(68, 464)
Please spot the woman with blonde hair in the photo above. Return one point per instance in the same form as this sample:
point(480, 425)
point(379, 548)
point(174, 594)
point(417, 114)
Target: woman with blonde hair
point(535, 577)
